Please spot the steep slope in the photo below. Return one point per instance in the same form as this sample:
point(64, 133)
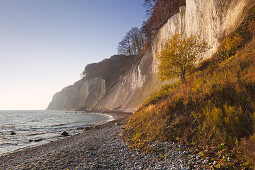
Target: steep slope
point(213, 109)
point(212, 20)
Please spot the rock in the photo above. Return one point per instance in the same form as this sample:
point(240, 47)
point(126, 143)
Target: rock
point(64, 133)
point(88, 128)
point(117, 124)
point(13, 133)
point(38, 140)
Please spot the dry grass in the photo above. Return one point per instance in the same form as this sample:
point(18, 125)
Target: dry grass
point(214, 107)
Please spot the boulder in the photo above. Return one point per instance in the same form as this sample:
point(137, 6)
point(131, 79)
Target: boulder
point(64, 133)
point(13, 133)
point(38, 140)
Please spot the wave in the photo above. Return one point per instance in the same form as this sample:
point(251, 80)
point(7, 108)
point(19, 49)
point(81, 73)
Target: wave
point(62, 124)
point(49, 127)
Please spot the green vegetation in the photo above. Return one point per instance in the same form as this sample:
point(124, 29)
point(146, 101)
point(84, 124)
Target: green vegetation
point(179, 55)
point(214, 108)
point(162, 94)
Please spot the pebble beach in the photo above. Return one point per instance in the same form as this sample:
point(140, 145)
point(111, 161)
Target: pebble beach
point(101, 147)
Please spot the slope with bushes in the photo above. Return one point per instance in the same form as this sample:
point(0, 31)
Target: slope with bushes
point(213, 109)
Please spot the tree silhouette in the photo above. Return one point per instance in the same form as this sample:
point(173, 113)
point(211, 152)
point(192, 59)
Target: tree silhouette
point(132, 43)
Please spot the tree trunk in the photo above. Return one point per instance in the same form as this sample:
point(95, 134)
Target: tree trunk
point(183, 76)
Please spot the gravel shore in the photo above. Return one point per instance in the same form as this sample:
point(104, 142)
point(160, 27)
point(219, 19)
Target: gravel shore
point(100, 148)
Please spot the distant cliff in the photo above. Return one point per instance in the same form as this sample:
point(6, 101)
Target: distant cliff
point(123, 82)
point(98, 79)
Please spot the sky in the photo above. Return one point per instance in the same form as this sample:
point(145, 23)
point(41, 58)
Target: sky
point(46, 44)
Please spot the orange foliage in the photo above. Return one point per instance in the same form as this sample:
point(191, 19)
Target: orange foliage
point(159, 14)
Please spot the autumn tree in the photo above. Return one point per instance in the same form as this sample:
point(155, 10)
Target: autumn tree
point(179, 55)
point(132, 43)
point(158, 12)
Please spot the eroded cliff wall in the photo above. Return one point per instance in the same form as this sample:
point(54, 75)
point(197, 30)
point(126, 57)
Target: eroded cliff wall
point(120, 86)
point(98, 79)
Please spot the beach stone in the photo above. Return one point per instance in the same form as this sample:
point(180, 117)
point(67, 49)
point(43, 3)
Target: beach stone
point(38, 140)
point(13, 133)
point(88, 128)
point(101, 149)
point(64, 133)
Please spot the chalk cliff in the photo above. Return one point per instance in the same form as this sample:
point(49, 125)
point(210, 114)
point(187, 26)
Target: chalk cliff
point(123, 82)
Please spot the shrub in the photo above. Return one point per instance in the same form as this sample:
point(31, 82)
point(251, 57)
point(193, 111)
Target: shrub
point(251, 27)
point(229, 123)
point(230, 44)
point(214, 107)
point(247, 147)
point(162, 94)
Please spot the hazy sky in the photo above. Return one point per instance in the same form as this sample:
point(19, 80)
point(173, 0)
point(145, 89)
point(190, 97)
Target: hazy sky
point(45, 44)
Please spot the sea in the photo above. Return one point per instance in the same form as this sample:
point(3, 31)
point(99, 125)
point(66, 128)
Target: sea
point(37, 127)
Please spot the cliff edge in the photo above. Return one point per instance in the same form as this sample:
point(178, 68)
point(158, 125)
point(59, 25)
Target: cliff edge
point(125, 82)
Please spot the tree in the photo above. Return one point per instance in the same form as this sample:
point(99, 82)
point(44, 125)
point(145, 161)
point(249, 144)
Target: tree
point(132, 43)
point(179, 55)
point(158, 12)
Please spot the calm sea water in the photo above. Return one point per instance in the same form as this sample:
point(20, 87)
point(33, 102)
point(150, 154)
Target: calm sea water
point(45, 126)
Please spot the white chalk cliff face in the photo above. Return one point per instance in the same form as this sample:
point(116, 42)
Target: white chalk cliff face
point(211, 19)
point(84, 93)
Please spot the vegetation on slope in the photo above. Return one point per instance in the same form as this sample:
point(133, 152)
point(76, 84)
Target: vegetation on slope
point(179, 56)
point(213, 110)
point(158, 12)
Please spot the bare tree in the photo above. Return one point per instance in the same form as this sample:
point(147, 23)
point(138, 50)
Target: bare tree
point(158, 13)
point(132, 43)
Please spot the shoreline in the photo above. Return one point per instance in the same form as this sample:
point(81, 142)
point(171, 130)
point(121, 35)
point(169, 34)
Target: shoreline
point(100, 147)
point(111, 117)
point(115, 117)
